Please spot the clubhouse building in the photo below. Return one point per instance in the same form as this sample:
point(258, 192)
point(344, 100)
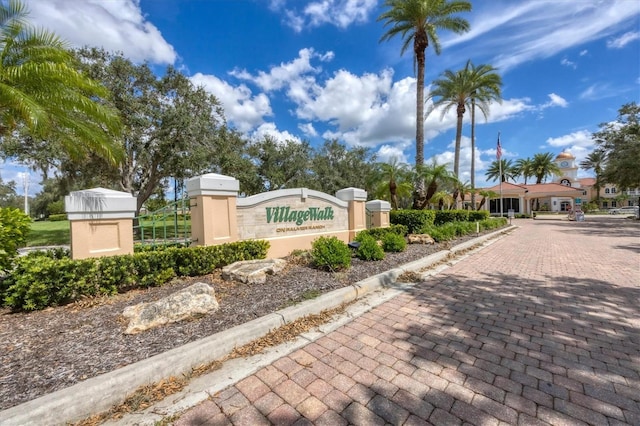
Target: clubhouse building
point(565, 193)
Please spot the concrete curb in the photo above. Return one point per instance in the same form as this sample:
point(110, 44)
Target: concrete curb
point(102, 392)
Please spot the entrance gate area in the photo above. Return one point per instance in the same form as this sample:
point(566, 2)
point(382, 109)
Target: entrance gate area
point(166, 226)
point(102, 221)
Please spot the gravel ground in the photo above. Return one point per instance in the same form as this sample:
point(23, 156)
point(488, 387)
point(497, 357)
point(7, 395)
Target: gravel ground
point(41, 352)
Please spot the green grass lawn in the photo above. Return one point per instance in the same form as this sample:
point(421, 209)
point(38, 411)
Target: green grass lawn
point(49, 234)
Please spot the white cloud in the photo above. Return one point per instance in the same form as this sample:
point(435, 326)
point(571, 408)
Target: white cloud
point(270, 129)
point(568, 63)
point(243, 109)
point(308, 130)
point(579, 143)
point(583, 52)
point(623, 40)
point(339, 13)
point(532, 29)
point(555, 100)
point(115, 25)
point(386, 153)
point(281, 75)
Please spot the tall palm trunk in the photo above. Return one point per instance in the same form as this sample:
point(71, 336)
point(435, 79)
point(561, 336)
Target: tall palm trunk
point(473, 152)
point(420, 44)
point(456, 161)
point(393, 192)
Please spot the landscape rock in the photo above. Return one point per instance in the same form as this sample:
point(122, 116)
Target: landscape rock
point(253, 271)
point(195, 300)
point(420, 239)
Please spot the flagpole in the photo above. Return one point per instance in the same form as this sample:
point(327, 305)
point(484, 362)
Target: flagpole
point(499, 155)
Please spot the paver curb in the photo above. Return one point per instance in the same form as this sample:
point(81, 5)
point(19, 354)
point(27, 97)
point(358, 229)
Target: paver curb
point(102, 392)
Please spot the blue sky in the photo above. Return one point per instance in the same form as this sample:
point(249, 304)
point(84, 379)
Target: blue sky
point(315, 70)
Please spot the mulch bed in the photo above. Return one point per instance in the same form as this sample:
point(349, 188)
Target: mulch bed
point(44, 351)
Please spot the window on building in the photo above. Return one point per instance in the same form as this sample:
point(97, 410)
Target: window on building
point(605, 205)
point(606, 190)
point(613, 190)
point(613, 204)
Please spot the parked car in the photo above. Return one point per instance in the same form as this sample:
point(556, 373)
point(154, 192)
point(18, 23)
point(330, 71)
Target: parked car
point(628, 210)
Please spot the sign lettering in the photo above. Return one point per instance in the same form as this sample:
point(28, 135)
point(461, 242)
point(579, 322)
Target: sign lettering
point(285, 214)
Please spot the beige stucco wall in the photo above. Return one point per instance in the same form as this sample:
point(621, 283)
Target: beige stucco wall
point(105, 237)
point(283, 246)
point(213, 220)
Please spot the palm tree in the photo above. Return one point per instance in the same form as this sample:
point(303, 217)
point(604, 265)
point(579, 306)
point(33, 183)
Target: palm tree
point(596, 161)
point(435, 176)
point(43, 93)
point(524, 168)
point(544, 166)
point(508, 170)
point(464, 188)
point(470, 86)
point(486, 195)
point(392, 178)
point(442, 198)
point(417, 22)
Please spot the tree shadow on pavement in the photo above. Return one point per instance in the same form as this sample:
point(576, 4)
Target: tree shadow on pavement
point(518, 350)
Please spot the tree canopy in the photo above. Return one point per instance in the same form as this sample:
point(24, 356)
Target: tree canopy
point(620, 142)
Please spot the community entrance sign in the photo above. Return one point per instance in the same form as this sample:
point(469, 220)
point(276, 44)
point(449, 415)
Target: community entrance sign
point(291, 212)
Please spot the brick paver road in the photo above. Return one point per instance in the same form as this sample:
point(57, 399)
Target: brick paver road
point(542, 327)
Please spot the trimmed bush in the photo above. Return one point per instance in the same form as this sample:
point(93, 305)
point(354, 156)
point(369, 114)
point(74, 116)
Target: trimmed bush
point(412, 219)
point(478, 215)
point(42, 280)
point(447, 216)
point(330, 253)
point(380, 233)
point(14, 226)
point(369, 248)
point(394, 243)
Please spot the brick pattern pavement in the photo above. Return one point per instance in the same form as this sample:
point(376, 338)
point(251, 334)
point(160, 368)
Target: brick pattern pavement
point(542, 327)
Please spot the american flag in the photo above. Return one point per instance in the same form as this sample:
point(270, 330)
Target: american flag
point(499, 149)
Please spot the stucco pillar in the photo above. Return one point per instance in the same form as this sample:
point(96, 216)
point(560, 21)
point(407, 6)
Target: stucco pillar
point(101, 222)
point(357, 215)
point(212, 199)
point(379, 213)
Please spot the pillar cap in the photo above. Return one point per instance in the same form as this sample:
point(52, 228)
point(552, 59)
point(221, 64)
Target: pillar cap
point(100, 203)
point(352, 194)
point(213, 184)
point(378, 206)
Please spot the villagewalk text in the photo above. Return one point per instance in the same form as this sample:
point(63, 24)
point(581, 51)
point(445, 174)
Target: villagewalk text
point(285, 214)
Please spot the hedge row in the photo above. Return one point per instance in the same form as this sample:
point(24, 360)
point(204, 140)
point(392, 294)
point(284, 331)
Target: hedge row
point(414, 220)
point(417, 221)
point(453, 230)
point(39, 281)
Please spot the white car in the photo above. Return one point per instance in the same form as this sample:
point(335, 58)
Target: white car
point(629, 210)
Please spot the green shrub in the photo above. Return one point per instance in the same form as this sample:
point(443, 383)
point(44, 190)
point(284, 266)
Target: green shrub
point(41, 280)
point(446, 216)
point(330, 253)
point(380, 233)
point(14, 226)
point(57, 217)
point(369, 248)
point(139, 247)
point(477, 215)
point(493, 223)
point(56, 208)
point(394, 243)
point(412, 219)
